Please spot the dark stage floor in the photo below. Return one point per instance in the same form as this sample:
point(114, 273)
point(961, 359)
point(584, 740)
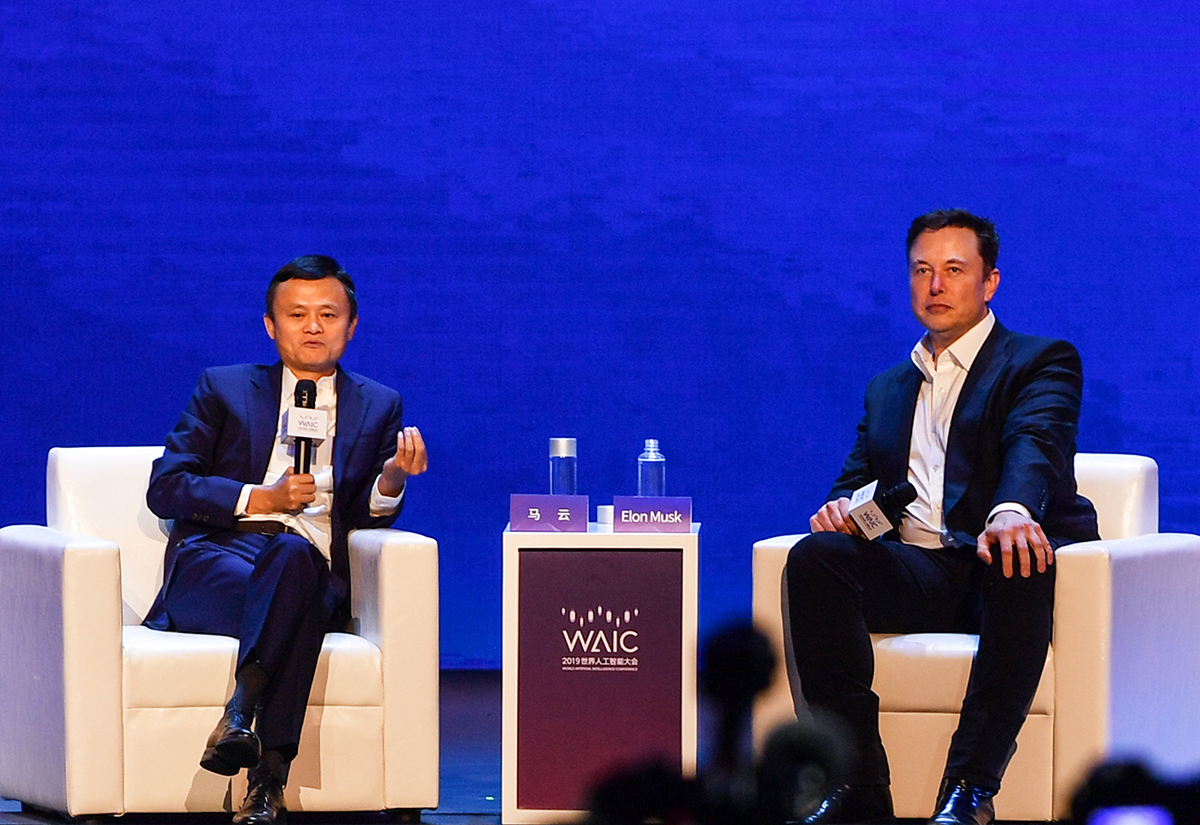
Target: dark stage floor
point(470, 769)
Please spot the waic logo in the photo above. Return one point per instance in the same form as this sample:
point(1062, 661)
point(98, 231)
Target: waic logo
point(600, 631)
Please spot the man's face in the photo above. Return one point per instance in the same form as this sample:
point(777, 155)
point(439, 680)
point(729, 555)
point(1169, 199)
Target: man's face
point(950, 290)
point(310, 325)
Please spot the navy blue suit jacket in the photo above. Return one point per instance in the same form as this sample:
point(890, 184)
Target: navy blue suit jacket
point(1012, 437)
point(224, 440)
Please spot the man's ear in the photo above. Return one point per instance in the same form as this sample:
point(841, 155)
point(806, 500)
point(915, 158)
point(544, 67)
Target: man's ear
point(350, 331)
point(269, 323)
point(990, 283)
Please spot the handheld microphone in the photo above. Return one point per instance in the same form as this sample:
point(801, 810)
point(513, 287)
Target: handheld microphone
point(877, 511)
point(306, 399)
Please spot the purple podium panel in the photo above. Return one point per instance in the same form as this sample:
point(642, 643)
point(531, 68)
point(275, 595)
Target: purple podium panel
point(598, 668)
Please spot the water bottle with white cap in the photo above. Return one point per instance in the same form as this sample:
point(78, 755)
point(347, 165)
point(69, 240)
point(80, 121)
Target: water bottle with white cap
point(652, 470)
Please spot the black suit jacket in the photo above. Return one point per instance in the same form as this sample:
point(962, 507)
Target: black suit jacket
point(224, 440)
point(1012, 437)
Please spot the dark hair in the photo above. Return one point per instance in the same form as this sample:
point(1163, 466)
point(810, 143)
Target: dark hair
point(985, 232)
point(312, 268)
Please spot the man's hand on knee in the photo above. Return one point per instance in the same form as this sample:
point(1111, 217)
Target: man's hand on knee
point(1015, 534)
point(834, 517)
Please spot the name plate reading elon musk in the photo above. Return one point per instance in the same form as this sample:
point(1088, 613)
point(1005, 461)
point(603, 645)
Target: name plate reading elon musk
point(547, 514)
point(647, 514)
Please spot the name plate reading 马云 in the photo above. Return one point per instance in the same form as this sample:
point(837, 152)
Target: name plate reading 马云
point(548, 514)
point(648, 514)
point(306, 423)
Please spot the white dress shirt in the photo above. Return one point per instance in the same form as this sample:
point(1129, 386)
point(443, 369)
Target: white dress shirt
point(314, 521)
point(924, 522)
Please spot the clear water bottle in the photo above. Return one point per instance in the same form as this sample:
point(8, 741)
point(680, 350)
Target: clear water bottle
point(652, 470)
point(562, 466)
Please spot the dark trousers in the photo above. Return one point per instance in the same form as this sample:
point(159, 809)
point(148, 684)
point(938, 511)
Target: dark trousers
point(841, 588)
point(276, 595)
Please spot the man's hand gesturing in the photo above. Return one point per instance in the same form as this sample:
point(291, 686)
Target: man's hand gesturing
point(410, 460)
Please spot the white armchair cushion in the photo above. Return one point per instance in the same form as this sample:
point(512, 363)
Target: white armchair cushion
point(180, 670)
point(176, 670)
point(928, 672)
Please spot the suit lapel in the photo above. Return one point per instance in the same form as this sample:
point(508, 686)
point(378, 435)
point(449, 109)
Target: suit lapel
point(262, 403)
point(961, 447)
point(899, 437)
point(351, 407)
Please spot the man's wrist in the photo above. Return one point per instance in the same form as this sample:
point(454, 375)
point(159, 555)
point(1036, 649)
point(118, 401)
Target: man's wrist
point(243, 503)
point(258, 501)
point(387, 485)
point(382, 504)
point(1007, 507)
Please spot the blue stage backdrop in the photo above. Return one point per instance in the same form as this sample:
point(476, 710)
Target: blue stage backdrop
point(679, 219)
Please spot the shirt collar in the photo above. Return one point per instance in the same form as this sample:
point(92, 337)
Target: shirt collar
point(326, 386)
point(962, 352)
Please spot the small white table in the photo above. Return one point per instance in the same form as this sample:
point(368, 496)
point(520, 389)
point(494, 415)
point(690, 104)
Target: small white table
point(599, 663)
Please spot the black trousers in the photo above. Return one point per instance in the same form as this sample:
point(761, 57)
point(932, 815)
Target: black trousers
point(276, 595)
point(841, 588)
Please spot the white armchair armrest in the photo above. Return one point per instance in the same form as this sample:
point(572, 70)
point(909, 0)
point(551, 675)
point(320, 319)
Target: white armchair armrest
point(394, 600)
point(60, 718)
point(1127, 665)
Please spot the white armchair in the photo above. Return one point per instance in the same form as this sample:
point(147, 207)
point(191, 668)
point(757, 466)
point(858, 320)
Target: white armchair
point(1120, 676)
point(103, 716)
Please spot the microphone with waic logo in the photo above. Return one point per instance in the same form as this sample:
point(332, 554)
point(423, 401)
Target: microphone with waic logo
point(306, 399)
point(876, 511)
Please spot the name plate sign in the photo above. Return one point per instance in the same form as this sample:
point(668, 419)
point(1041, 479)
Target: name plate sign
point(548, 514)
point(647, 514)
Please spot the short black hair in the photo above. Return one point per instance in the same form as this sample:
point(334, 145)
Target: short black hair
point(985, 232)
point(312, 268)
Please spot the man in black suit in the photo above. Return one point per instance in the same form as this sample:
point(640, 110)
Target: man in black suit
point(982, 422)
point(259, 551)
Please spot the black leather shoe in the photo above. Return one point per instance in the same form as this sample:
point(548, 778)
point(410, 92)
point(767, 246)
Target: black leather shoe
point(231, 746)
point(854, 804)
point(264, 801)
point(961, 803)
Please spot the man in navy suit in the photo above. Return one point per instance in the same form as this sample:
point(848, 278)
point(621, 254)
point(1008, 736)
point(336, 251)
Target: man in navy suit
point(982, 422)
point(258, 551)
